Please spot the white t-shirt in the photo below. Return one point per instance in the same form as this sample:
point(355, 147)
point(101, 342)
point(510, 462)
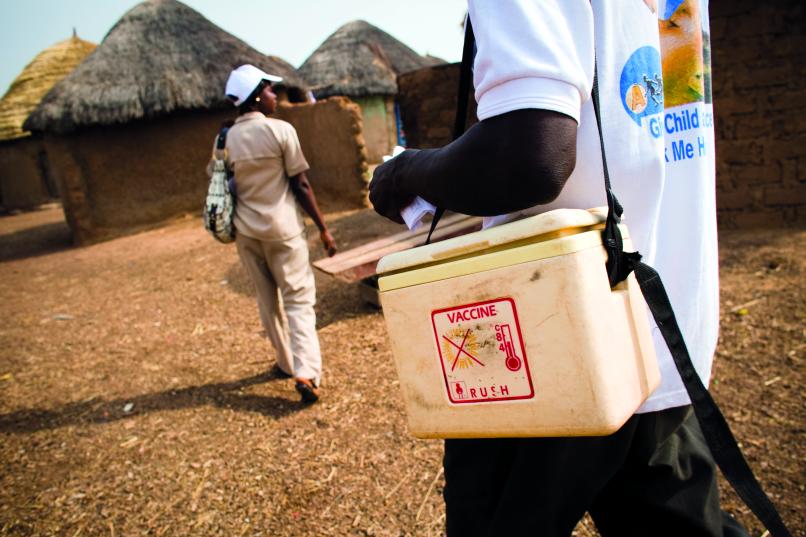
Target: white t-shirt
point(540, 54)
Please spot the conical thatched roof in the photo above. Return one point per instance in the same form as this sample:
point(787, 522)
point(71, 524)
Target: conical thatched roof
point(359, 59)
point(48, 68)
point(161, 56)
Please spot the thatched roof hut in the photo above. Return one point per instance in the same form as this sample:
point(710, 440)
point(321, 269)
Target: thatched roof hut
point(24, 174)
point(45, 70)
point(129, 132)
point(359, 60)
point(160, 57)
point(362, 62)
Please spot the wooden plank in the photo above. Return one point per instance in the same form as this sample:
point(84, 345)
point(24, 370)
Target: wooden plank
point(417, 235)
point(360, 262)
point(382, 247)
point(345, 259)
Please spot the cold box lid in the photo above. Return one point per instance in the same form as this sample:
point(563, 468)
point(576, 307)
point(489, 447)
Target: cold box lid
point(549, 234)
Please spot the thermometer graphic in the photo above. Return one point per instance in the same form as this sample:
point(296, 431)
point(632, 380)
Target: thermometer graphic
point(504, 337)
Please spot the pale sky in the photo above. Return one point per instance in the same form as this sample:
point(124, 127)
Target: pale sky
point(291, 29)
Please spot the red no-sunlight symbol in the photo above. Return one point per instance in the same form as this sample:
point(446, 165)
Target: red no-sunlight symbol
point(461, 350)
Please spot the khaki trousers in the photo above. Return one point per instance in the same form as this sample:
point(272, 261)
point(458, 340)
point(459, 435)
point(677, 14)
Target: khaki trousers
point(286, 295)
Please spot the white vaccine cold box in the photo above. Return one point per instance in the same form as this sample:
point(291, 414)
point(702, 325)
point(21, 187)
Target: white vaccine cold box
point(515, 331)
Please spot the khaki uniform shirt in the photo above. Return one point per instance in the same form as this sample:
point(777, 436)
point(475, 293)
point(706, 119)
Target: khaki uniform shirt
point(263, 153)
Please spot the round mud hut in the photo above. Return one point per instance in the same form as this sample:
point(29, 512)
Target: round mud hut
point(25, 178)
point(361, 61)
point(128, 133)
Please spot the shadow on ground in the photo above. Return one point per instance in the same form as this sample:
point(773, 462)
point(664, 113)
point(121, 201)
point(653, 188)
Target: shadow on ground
point(98, 410)
point(35, 241)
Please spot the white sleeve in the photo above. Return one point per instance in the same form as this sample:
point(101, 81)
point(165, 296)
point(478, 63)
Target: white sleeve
point(532, 54)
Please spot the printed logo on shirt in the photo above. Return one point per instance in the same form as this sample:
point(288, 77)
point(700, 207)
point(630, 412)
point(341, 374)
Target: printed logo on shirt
point(685, 53)
point(687, 123)
point(641, 84)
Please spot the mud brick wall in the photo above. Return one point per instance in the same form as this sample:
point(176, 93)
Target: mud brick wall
point(759, 88)
point(331, 135)
point(117, 179)
point(427, 100)
point(23, 169)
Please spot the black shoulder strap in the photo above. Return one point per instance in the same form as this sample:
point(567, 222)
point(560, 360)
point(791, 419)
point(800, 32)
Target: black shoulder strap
point(612, 241)
point(221, 142)
point(460, 121)
point(715, 428)
point(465, 78)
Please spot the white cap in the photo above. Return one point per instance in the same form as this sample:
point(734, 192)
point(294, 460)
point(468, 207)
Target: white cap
point(243, 81)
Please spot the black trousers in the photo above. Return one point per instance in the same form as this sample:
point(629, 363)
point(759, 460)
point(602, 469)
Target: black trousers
point(654, 477)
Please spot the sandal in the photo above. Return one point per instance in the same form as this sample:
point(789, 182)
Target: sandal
point(307, 390)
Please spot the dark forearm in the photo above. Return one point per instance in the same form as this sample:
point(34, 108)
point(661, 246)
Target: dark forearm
point(503, 164)
point(303, 192)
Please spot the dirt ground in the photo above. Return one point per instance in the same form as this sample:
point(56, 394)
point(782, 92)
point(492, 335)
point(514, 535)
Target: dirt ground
point(135, 399)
